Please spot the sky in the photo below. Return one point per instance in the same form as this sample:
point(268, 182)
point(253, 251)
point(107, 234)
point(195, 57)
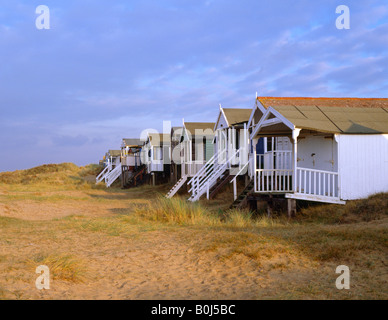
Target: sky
point(107, 70)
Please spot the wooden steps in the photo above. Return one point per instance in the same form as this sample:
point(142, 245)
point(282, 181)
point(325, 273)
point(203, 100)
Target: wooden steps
point(219, 184)
point(136, 179)
point(126, 176)
point(208, 176)
point(103, 173)
point(241, 199)
point(113, 175)
point(176, 187)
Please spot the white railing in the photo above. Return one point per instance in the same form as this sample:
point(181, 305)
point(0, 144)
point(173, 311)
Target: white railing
point(317, 182)
point(308, 181)
point(281, 159)
point(207, 168)
point(243, 170)
point(176, 187)
point(273, 180)
point(102, 174)
point(207, 180)
point(113, 175)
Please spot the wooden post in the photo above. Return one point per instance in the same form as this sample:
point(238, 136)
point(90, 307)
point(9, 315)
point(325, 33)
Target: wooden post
point(235, 189)
point(269, 206)
point(175, 173)
point(291, 208)
point(245, 148)
point(229, 144)
point(254, 169)
point(123, 177)
point(295, 134)
point(153, 179)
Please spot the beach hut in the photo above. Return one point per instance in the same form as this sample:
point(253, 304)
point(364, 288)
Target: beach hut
point(195, 148)
point(176, 133)
point(112, 168)
point(319, 149)
point(156, 156)
point(132, 170)
point(231, 154)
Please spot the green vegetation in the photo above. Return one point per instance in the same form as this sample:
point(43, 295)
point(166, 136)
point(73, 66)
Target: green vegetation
point(373, 208)
point(52, 176)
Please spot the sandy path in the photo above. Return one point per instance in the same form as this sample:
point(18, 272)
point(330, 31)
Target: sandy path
point(155, 266)
point(148, 264)
point(159, 268)
point(152, 265)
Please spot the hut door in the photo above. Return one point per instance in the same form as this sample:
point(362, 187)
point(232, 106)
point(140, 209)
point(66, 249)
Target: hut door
point(283, 159)
point(269, 155)
point(259, 153)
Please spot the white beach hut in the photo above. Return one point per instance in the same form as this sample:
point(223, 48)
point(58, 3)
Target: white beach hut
point(195, 148)
point(230, 160)
point(321, 149)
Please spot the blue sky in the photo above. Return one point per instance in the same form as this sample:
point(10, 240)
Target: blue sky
point(106, 70)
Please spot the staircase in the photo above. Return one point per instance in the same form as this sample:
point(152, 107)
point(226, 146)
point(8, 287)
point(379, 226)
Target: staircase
point(137, 177)
point(241, 199)
point(103, 173)
point(176, 187)
point(207, 177)
point(219, 184)
point(113, 175)
point(126, 176)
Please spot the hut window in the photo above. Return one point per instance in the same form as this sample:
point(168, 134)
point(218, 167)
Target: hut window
point(204, 148)
point(270, 144)
point(193, 149)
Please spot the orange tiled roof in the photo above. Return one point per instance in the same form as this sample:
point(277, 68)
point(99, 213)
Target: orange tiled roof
point(343, 115)
point(324, 102)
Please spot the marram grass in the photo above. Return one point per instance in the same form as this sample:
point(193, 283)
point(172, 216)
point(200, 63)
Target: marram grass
point(176, 211)
point(62, 266)
point(182, 212)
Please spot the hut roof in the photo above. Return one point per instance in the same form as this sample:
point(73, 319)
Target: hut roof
point(334, 115)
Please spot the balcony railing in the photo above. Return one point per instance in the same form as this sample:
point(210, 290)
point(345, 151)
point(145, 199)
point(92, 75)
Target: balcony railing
point(317, 182)
point(281, 159)
point(307, 181)
point(273, 180)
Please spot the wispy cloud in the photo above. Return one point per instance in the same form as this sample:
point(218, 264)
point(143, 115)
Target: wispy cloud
point(105, 71)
